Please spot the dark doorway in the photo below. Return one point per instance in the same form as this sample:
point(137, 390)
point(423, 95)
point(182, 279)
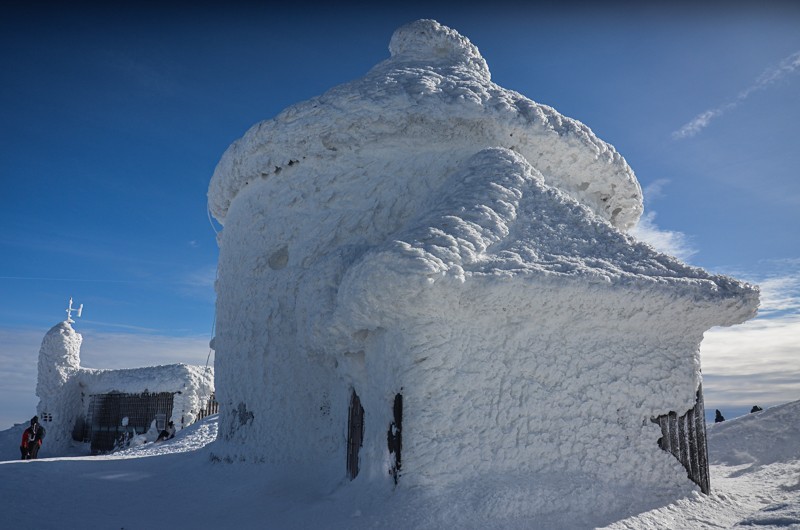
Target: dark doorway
point(355, 434)
point(395, 436)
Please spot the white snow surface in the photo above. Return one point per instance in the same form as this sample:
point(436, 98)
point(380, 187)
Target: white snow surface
point(422, 231)
point(179, 481)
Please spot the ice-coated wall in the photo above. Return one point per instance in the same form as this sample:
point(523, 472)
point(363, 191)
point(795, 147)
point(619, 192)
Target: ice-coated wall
point(57, 387)
point(422, 231)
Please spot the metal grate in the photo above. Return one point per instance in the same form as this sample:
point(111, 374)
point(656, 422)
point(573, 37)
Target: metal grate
point(106, 413)
point(685, 438)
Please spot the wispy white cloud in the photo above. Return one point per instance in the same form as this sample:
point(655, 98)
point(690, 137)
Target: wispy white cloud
point(779, 281)
point(145, 72)
point(753, 363)
point(202, 278)
point(654, 190)
point(669, 242)
point(770, 76)
point(780, 294)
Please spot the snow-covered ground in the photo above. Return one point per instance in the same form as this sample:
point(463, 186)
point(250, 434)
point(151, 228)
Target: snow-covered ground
point(755, 475)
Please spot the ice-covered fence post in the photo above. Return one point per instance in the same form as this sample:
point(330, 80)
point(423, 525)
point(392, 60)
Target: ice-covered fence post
point(685, 438)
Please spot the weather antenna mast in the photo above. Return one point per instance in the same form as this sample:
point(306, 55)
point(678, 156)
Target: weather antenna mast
point(70, 309)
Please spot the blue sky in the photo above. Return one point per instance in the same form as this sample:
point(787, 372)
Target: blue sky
point(112, 121)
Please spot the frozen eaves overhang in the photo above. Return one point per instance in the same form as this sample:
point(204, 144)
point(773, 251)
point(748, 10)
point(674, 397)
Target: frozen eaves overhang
point(499, 226)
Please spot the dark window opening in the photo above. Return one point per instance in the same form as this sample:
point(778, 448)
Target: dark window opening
point(355, 434)
point(395, 436)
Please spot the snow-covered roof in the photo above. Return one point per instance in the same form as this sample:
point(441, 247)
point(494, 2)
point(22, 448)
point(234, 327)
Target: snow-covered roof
point(433, 99)
point(152, 379)
point(426, 167)
point(499, 219)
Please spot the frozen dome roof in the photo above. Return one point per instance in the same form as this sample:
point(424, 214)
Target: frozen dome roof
point(432, 98)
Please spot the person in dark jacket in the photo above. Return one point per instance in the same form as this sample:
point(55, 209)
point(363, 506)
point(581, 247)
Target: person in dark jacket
point(167, 433)
point(32, 440)
point(719, 417)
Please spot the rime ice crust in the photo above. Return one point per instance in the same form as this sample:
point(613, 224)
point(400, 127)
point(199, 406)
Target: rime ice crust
point(58, 390)
point(423, 231)
point(429, 42)
point(496, 218)
point(432, 97)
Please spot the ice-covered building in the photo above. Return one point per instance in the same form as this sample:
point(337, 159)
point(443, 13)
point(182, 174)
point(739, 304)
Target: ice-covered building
point(421, 263)
point(105, 406)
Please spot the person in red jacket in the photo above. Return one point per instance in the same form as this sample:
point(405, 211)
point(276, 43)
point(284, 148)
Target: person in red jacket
point(32, 440)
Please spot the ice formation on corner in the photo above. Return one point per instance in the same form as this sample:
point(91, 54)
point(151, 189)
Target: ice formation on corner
point(425, 237)
point(68, 391)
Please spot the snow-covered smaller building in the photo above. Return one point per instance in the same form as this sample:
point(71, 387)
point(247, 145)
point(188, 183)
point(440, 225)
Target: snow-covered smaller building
point(105, 406)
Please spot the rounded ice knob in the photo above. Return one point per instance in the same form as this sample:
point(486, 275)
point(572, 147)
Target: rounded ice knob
point(427, 40)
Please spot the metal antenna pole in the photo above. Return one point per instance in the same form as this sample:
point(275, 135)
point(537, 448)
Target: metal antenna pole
point(70, 309)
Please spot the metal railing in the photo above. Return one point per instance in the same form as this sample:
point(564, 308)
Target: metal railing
point(211, 407)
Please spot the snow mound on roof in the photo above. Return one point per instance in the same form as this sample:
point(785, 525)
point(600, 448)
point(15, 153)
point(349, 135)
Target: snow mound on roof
point(430, 105)
point(430, 42)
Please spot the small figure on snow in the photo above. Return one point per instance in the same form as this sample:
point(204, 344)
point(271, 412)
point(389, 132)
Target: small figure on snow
point(755, 408)
point(719, 417)
point(32, 440)
point(167, 433)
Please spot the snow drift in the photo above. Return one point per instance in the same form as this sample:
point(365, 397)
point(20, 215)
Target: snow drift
point(177, 481)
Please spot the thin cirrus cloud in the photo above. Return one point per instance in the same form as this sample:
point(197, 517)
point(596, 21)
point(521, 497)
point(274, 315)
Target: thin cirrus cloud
point(770, 76)
point(669, 242)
